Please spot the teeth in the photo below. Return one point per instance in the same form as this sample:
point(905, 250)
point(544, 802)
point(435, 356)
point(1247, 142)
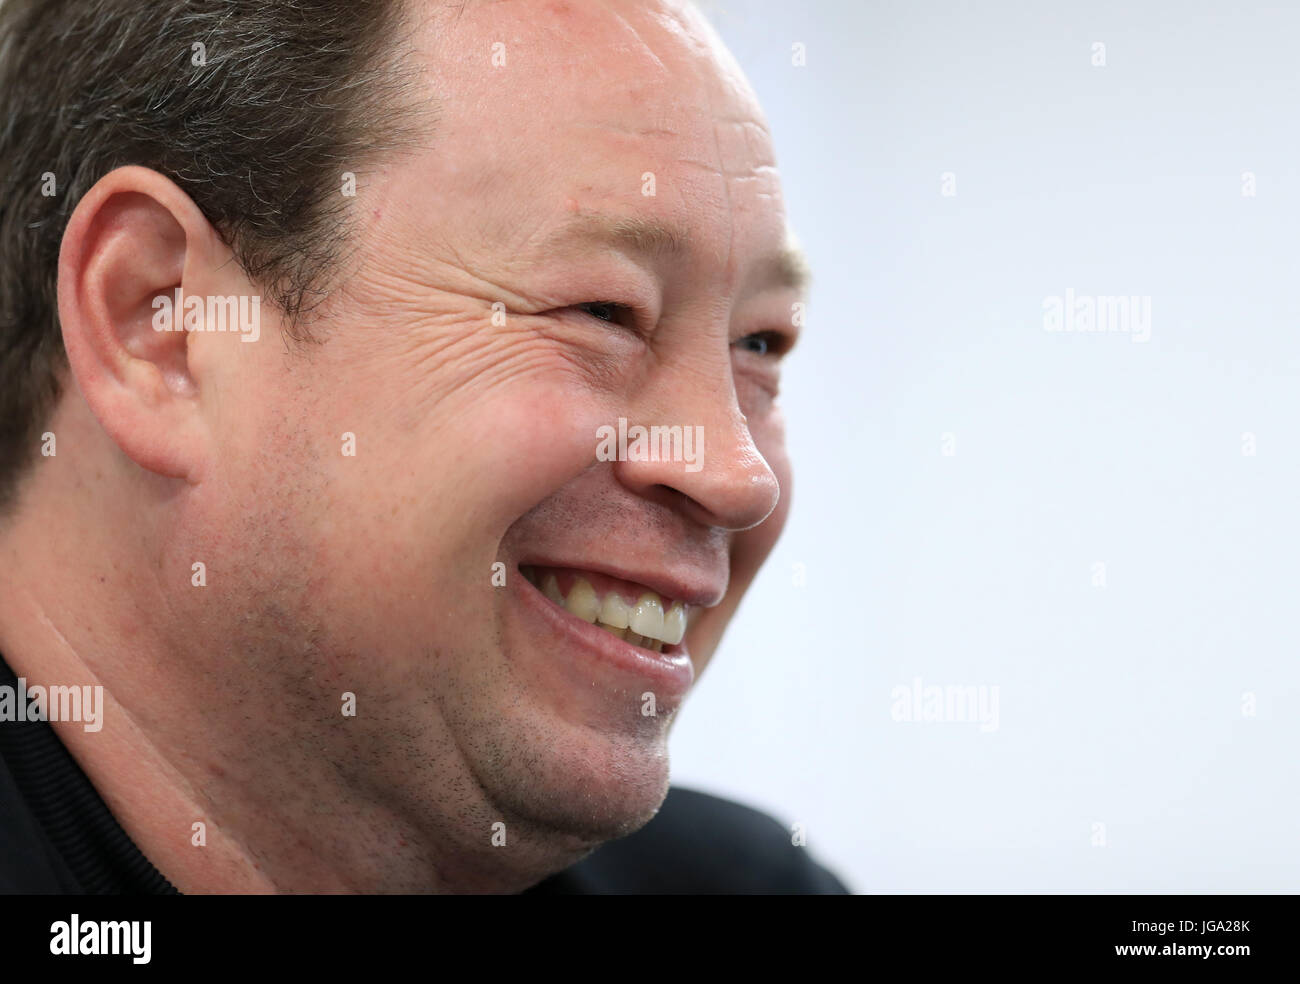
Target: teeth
point(582, 601)
point(644, 624)
point(551, 588)
point(615, 611)
point(674, 624)
point(647, 617)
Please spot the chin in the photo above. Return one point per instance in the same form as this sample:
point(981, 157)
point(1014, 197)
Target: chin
point(577, 782)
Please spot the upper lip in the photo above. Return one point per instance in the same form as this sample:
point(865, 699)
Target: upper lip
point(690, 587)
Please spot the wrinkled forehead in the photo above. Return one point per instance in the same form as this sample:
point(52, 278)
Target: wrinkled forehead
point(576, 102)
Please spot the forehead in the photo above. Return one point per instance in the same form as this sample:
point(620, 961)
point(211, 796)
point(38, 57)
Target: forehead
point(547, 111)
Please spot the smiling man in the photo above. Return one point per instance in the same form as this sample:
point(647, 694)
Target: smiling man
point(369, 609)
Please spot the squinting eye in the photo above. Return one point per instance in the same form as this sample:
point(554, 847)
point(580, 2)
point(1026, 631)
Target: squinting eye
point(764, 343)
point(603, 310)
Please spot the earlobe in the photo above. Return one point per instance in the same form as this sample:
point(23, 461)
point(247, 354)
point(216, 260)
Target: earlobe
point(133, 238)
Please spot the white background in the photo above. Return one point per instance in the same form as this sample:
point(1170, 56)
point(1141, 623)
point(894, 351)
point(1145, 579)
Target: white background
point(1120, 705)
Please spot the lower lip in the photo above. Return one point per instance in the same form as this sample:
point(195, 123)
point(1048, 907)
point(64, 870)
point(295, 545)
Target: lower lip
point(669, 674)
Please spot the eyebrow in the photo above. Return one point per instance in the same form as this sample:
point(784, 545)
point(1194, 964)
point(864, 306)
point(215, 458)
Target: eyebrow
point(786, 267)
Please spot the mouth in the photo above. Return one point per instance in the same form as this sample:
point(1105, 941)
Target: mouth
point(626, 610)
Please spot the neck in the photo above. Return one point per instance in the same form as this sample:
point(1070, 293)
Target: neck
point(224, 786)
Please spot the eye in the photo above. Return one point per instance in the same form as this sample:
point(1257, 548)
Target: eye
point(765, 343)
point(605, 311)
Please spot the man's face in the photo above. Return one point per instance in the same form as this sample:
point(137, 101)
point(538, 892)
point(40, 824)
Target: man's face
point(476, 428)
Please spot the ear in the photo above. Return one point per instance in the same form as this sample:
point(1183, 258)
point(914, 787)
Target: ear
point(134, 237)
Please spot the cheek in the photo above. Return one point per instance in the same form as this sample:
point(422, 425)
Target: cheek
point(769, 438)
point(459, 432)
point(749, 549)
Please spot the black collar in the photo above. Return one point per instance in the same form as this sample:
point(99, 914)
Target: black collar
point(56, 833)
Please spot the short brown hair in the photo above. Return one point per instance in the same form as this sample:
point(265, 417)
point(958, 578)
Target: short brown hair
point(254, 107)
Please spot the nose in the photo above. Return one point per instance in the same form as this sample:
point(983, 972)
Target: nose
point(719, 478)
